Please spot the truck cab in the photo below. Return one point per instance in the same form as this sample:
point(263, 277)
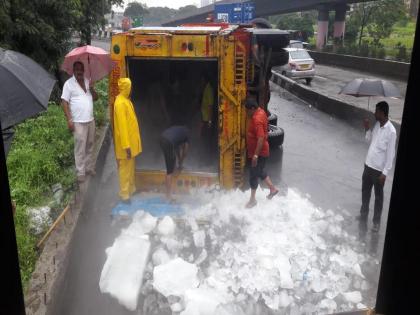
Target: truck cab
point(169, 68)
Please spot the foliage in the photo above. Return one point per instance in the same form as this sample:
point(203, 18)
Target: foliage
point(39, 29)
point(93, 16)
point(135, 9)
point(157, 15)
point(378, 17)
point(41, 155)
point(296, 21)
point(188, 9)
point(387, 13)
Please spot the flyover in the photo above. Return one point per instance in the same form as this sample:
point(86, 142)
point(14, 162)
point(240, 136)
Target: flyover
point(264, 8)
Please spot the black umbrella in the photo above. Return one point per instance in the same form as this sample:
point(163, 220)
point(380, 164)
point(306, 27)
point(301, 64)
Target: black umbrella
point(370, 87)
point(24, 90)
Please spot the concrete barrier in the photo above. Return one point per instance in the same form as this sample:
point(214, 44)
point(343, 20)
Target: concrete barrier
point(350, 113)
point(393, 69)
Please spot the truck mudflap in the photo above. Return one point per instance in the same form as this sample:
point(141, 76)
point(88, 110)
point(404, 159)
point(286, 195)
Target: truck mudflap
point(183, 183)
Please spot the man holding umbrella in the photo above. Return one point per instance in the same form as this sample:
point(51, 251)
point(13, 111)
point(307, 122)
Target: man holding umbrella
point(77, 101)
point(378, 162)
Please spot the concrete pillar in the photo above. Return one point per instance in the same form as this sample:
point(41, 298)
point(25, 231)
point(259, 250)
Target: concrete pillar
point(322, 34)
point(340, 23)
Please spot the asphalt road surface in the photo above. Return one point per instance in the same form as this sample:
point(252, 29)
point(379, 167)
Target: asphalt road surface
point(329, 81)
point(321, 156)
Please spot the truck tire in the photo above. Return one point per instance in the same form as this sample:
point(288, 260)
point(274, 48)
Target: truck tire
point(275, 136)
point(272, 119)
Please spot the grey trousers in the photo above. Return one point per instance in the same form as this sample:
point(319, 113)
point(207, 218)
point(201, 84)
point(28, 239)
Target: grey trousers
point(371, 179)
point(84, 140)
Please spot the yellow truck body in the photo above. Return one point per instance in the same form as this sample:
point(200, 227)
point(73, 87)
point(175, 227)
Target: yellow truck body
point(226, 48)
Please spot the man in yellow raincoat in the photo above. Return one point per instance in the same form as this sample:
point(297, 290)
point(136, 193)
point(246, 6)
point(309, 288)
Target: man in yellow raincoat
point(126, 139)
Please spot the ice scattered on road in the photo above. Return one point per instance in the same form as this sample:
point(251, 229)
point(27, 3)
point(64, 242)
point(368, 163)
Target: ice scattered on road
point(160, 256)
point(286, 251)
point(166, 226)
point(284, 255)
point(122, 274)
point(353, 297)
point(175, 277)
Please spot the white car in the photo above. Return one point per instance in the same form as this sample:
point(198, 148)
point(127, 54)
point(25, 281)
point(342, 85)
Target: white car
point(300, 65)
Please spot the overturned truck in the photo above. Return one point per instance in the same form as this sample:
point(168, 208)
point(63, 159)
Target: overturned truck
point(168, 67)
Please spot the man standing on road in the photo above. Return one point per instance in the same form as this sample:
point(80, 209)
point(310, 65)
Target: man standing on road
point(127, 139)
point(77, 101)
point(378, 162)
point(174, 144)
point(258, 150)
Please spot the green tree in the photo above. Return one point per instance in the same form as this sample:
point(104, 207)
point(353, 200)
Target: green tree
point(39, 29)
point(387, 13)
point(92, 17)
point(376, 17)
point(158, 15)
point(135, 9)
point(360, 17)
point(303, 22)
point(188, 9)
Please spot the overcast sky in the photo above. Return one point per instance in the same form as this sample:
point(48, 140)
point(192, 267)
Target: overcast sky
point(175, 4)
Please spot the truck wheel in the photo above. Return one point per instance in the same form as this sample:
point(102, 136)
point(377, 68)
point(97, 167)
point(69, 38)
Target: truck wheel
point(275, 136)
point(272, 119)
point(308, 81)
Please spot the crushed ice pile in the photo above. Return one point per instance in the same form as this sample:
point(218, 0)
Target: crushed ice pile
point(284, 256)
point(39, 219)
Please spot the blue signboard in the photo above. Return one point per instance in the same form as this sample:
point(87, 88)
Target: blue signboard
point(240, 12)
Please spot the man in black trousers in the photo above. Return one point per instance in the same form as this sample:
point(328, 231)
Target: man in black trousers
point(378, 163)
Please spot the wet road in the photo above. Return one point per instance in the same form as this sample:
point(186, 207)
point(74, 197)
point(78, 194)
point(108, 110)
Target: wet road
point(329, 80)
point(321, 157)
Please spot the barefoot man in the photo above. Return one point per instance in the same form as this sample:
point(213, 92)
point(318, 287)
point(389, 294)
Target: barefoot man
point(258, 150)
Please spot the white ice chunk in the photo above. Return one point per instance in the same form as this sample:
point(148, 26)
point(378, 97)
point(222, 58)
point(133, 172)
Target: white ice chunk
point(199, 238)
point(176, 307)
point(202, 257)
point(39, 219)
point(205, 301)
point(143, 223)
point(166, 226)
point(175, 277)
point(122, 274)
point(358, 271)
point(284, 299)
point(327, 306)
point(353, 297)
point(319, 284)
point(160, 256)
point(171, 244)
point(284, 267)
point(361, 306)
point(191, 221)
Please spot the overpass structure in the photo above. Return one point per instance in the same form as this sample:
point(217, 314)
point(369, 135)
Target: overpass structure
point(264, 8)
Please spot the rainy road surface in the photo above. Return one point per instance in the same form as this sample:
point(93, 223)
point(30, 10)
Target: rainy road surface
point(322, 159)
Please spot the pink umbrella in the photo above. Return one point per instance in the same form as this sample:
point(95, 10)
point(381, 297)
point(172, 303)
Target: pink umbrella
point(97, 61)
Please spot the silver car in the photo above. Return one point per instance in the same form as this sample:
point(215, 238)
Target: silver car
point(300, 66)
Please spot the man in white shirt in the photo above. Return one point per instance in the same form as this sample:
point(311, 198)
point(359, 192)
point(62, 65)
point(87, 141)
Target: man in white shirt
point(378, 162)
point(77, 101)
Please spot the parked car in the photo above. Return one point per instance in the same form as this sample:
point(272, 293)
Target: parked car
point(300, 65)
